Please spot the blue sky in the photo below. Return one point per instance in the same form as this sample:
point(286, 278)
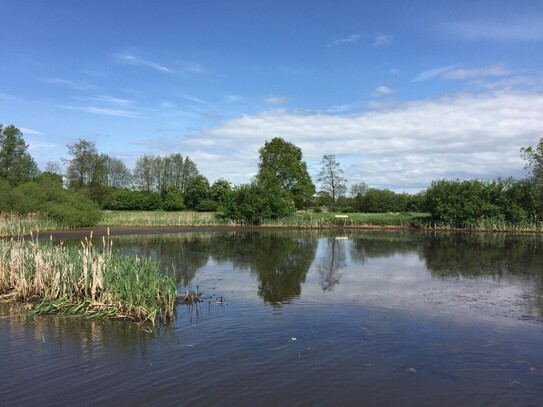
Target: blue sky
point(402, 92)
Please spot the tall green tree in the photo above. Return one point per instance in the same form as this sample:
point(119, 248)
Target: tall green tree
point(331, 177)
point(534, 161)
point(144, 175)
point(196, 191)
point(116, 173)
point(86, 167)
point(281, 165)
point(16, 164)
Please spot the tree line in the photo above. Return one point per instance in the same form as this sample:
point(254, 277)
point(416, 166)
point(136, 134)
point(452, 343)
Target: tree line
point(94, 181)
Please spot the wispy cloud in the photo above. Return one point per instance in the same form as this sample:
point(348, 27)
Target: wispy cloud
point(6, 96)
point(195, 100)
point(275, 100)
point(515, 28)
point(382, 90)
point(193, 67)
point(104, 111)
point(351, 39)
point(474, 73)
point(382, 41)
point(131, 59)
point(68, 83)
point(432, 73)
point(25, 130)
point(111, 100)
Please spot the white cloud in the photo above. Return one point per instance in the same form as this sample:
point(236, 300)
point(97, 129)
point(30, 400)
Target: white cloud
point(131, 59)
point(474, 73)
point(275, 100)
point(515, 28)
point(104, 111)
point(68, 83)
point(382, 41)
point(382, 90)
point(401, 145)
point(27, 131)
point(432, 73)
point(351, 39)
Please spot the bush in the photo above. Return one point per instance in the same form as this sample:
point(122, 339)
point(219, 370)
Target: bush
point(173, 201)
point(250, 204)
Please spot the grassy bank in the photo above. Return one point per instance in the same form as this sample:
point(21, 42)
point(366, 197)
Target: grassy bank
point(85, 281)
point(12, 224)
point(301, 219)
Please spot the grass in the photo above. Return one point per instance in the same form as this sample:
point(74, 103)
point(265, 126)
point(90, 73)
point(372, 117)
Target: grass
point(160, 218)
point(301, 219)
point(12, 224)
point(85, 281)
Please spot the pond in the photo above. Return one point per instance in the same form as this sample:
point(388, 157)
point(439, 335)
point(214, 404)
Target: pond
point(303, 318)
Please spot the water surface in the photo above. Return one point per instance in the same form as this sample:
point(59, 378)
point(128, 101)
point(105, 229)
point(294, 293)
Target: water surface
point(308, 319)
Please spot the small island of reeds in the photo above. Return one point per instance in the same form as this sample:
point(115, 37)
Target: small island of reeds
point(86, 280)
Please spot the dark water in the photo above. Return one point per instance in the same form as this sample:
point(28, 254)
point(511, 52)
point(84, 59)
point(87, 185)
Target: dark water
point(376, 319)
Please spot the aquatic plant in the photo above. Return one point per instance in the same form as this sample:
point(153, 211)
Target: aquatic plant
point(86, 281)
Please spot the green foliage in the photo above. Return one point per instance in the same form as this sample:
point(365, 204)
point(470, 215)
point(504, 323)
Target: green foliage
point(207, 205)
point(16, 165)
point(281, 166)
point(383, 200)
point(466, 203)
point(534, 161)
point(74, 212)
point(251, 204)
point(86, 167)
point(196, 191)
point(46, 196)
point(219, 190)
point(173, 201)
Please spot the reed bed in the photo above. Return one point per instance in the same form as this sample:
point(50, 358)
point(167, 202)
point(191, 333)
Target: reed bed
point(13, 224)
point(160, 218)
point(85, 281)
point(301, 219)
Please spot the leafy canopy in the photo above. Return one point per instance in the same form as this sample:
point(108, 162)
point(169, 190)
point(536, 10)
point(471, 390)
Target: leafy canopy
point(16, 164)
point(281, 165)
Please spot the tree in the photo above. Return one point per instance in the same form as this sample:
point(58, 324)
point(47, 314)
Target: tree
point(86, 167)
point(331, 178)
point(117, 174)
point(250, 204)
point(144, 176)
point(360, 188)
point(534, 161)
point(196, 191)
point(219, 189)
point(16, 164)
point(281, 165)
point(53, 167)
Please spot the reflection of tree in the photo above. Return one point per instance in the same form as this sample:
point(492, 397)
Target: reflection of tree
point(333, 259)
point(477, 255)
point(186, 253)
point(280, 261)
point(501, 257)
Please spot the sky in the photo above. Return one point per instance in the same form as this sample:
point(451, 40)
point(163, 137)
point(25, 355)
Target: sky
point(402, 92)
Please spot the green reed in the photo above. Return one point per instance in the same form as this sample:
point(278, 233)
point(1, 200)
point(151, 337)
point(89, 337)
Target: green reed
point(86, 281)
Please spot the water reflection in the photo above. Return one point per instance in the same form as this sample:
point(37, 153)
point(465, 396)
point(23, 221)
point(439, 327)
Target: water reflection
point(332, 260)
point(376, 261)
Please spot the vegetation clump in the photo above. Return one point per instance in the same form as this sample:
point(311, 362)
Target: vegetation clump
point(85, 281)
